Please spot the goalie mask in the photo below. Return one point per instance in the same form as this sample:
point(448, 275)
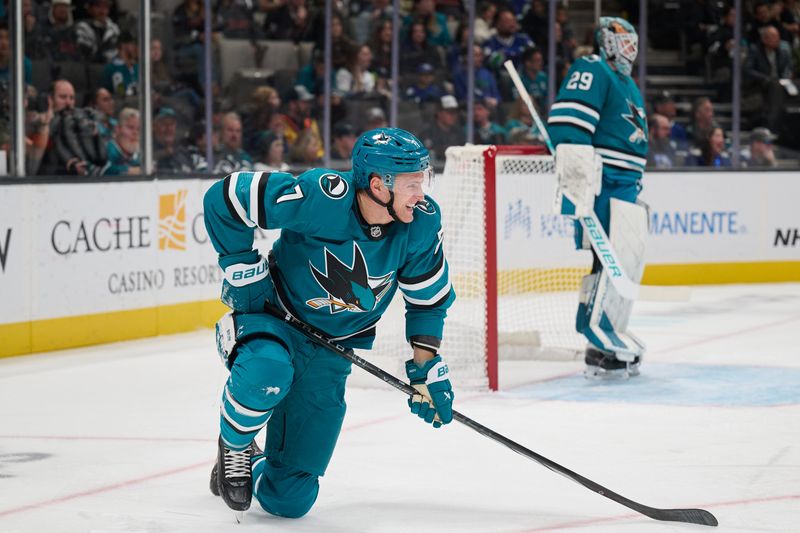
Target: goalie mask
point(618, 43)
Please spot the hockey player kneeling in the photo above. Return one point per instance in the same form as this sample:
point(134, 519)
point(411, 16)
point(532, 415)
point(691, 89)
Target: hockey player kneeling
point(599, 127)
point(348, 240)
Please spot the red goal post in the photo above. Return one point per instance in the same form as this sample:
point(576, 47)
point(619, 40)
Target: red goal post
point(512, 263)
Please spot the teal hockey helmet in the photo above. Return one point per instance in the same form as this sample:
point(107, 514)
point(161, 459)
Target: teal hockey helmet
point(618, 43)
point(388, 152)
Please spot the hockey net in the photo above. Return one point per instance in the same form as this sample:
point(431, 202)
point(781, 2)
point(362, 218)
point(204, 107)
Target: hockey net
point(512, 264)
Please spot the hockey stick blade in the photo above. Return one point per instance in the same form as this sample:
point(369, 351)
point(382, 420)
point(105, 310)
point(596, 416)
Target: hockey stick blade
point(691, 516)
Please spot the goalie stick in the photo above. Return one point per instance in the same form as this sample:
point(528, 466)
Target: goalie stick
point(626, 287)
point(691, 516)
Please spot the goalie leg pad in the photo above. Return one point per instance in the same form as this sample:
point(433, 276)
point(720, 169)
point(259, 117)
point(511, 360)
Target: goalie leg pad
point(604, 314)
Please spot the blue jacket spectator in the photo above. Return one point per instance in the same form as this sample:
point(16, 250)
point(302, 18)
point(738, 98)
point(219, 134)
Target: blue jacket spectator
point(424, 89)
point(508, 43)
point(435, 23)
point(485, 83)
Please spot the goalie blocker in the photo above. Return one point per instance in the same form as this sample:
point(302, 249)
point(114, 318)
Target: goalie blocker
point(607, 294)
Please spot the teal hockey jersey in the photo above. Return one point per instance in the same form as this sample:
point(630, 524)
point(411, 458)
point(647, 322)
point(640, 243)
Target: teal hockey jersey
point(336, 272)
point(597, 105)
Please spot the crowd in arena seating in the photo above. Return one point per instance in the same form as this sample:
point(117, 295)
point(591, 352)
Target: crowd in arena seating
point(81, 71)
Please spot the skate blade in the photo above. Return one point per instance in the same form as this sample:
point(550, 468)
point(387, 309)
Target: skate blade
point(238, 516)
point(600, 374)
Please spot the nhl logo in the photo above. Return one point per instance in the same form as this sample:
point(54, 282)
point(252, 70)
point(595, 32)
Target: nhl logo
point(375, 231)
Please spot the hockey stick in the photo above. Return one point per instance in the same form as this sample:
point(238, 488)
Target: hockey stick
point(691, 516)
point(626, 287)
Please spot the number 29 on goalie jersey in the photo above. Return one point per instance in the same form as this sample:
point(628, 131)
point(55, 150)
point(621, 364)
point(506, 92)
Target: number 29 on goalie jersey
point(599, 106)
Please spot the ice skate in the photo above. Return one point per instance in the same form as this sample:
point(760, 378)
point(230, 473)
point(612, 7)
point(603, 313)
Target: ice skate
point(605, 365)
point(234, 481)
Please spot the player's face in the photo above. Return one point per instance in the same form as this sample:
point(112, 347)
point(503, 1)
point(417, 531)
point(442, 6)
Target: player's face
point(408, 190)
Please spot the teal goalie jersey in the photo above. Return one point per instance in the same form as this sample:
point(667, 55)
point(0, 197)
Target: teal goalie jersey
point(335, 271)
point(601, 107)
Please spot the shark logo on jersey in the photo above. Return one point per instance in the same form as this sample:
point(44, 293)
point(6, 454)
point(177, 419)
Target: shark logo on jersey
point(636, 118)
point(426, 207)
point(349, 288)
point(333, 185)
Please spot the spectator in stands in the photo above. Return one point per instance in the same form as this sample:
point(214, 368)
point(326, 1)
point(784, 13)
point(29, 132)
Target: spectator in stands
point(762, 18)
point(518, 118)
point(306, 150)
point(236, 19)
point(37, 131)
point(435, 23)
point(789, 17)
point(272, 153)
point(702, 120)
point(355, 80)
point(75, 146)
point(767, 69)
point(97, 36)
point(485, 84)
point(376, 118)
point(344, 138)
point(661, 152)
point(56, 37)
point(292, 21)
point(762, 152)
point(188, 34)
point(484, 21)
point(298, 114)
point(123, 150)
point(424, 89)
point(712, 150)
point(370, 19)
point(342, 45)
point(230, 157)
point(169, 156)
point(445, 130)
point(508, 43)
point(486, 131)
point(535, 23)
point(257, 114)
point(533, 77)
point(664, 104)
point(102, 103)
point(567, 39)
point(720, 52)
point(5, 57)
point(121, 74)
point(416, 49)
point(381, 45)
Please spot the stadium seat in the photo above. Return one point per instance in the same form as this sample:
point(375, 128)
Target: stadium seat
point(235, 55)
point(75, 72)
point(280, 55)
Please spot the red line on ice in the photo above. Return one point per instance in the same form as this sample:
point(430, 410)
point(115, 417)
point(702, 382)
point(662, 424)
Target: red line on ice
point(100, 490)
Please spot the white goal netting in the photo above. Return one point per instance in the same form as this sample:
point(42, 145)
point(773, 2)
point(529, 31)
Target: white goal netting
point(538, 270)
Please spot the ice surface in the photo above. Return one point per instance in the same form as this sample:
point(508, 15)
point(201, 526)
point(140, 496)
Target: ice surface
point(122, 437)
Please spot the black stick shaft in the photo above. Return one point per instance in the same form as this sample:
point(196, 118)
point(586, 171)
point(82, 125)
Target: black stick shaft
point(692, 516)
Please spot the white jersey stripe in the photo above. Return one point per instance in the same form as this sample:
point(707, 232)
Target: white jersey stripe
point(237, 205)
point(255, 205)
point(426, 283)
point(622, 155)
point(239, 408)
point(433, 299)
point(622, 164)
point(246, 429)
point(586, 110)
point(571, 120)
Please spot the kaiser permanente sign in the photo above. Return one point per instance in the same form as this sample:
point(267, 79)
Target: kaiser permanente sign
point(90, 263)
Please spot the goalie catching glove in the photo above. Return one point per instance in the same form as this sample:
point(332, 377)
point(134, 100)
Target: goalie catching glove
point(433, 401)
